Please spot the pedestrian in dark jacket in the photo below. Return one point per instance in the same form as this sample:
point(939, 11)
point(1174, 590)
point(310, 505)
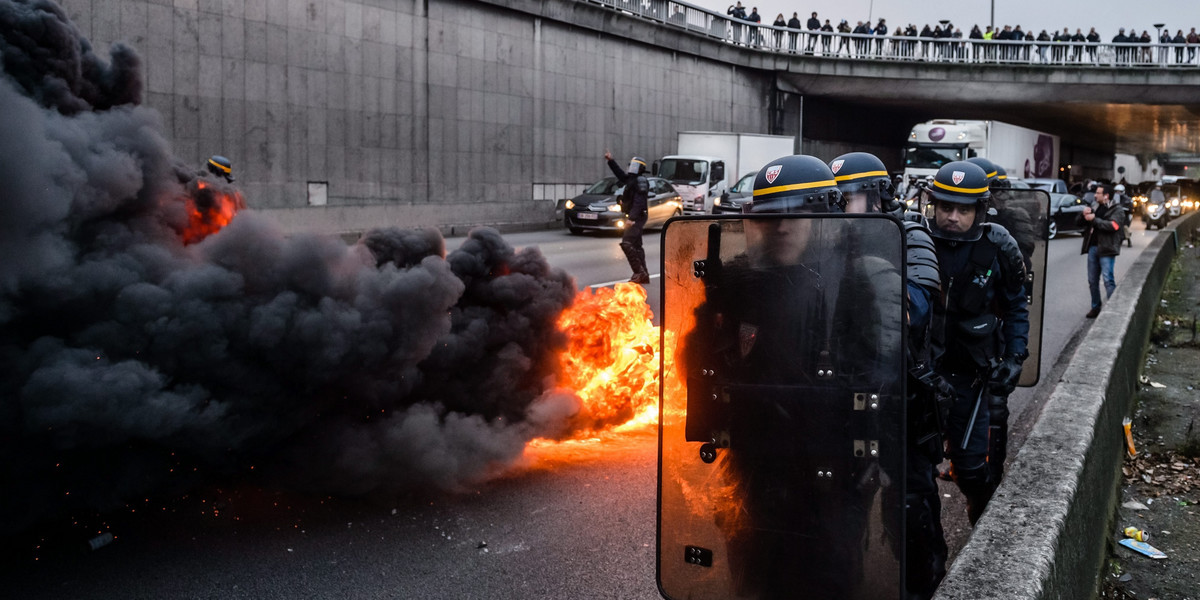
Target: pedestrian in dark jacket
point(1179, 42)
point(738, 12)
point(779, 22)
point(1102, 243)
point(814, 25)
point(793, 24)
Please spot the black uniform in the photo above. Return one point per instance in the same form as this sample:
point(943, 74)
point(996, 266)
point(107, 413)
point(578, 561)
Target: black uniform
point(634, 202)
point(983, 319)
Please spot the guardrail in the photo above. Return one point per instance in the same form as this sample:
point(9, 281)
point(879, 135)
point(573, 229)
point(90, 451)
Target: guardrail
point(843, 46)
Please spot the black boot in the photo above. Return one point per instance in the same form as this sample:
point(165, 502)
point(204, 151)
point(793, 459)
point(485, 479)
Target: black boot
point(976, 485)
point(637, 262)
point(997, 436)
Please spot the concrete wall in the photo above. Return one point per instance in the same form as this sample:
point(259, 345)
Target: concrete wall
point(1043, 534)
point(418, 112)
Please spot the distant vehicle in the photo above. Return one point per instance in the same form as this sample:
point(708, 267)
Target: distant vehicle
point(739, 195)
point(1053, 186)
point(598, 208)
point(1066, 214)
point(707, 163)
point(1024, 153)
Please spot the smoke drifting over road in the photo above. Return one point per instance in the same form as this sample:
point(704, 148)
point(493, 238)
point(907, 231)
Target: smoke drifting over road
point(136, 364)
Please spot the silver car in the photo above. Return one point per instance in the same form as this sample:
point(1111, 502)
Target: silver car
point(598, 208)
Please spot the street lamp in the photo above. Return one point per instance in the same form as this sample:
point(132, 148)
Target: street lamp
point(1162, 52)
point(993, 15)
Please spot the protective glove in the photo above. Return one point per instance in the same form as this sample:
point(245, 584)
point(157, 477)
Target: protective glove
point(1005, 375)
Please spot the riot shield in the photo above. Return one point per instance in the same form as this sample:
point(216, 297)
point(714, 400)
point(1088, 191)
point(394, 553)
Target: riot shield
point(781, 432)
point(1026, 215)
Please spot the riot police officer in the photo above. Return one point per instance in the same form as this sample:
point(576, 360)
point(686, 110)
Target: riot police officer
point(866, 187)
point(1019, 226)
point(634, 203)
point(981, 327)
point(790, 327)
point(221, 167)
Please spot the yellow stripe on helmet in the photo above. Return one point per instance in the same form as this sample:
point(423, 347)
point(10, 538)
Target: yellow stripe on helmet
point(219, 165)
point(860, 175)
point(950, 188)
point(795, 186)
point(638, 162)
point(993, 174)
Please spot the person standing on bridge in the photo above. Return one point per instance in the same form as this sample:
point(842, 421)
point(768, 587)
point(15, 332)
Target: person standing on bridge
point(1102, 243)
point(813, 26)
point(738, 12)
point(793, 24)
point(981, 326)
point(634, 204)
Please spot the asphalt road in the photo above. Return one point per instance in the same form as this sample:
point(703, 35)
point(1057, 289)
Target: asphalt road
point(577, 523)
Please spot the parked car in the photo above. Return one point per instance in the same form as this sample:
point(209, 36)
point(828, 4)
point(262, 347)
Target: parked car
point(1066, 214)
point(741, 193)
point(598, 208)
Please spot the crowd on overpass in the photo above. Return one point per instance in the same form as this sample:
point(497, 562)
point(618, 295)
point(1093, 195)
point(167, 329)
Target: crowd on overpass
point(944, 41)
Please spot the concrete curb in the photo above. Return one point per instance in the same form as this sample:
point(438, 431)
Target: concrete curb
point(1043, 534)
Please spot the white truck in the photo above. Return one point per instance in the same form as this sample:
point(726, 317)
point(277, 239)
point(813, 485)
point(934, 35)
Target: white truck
point(1024, 153)
point(708, 163)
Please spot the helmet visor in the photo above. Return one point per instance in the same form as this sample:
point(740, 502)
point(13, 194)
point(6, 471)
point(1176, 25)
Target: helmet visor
point(861, 196)
point(818, 201)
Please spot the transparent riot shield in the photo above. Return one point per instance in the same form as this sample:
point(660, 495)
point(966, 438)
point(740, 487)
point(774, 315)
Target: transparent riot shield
point(781, 440)
point(1026, 215)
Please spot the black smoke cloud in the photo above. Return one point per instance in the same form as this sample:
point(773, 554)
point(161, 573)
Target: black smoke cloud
point(135, 364)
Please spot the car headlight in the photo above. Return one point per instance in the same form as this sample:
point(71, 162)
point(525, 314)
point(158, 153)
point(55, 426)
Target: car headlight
point(570, 204)
point(1175, 202)
point(717, 201)
point(614, 208)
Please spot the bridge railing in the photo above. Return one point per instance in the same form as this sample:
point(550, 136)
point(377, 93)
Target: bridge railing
point(851, 46)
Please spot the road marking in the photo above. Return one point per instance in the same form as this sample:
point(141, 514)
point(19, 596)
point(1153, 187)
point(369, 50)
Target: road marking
point(612, 283)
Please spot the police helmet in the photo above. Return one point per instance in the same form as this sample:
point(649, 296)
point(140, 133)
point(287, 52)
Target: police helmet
point(221, 167)
point(961, 182)
point(1001, 180)
point(1119, 188)
point(864, 173)
point(637, 165)
point(796, 184)
point(988, 167)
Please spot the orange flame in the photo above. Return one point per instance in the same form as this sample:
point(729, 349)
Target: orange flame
point(611, 360)
point(210, 208)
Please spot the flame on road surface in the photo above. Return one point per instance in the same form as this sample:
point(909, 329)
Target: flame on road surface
point(612, 364)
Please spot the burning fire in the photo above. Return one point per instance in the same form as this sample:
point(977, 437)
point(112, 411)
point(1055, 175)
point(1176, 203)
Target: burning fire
point(209, 209)
point(611, 360)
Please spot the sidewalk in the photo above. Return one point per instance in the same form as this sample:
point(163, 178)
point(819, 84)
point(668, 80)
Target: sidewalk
point(1161, 486)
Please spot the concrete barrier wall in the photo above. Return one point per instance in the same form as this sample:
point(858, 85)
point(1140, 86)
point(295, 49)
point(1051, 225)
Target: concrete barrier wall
point(421, 112)
point(1043, 534)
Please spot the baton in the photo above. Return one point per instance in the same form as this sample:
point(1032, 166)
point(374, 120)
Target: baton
point(974, 413)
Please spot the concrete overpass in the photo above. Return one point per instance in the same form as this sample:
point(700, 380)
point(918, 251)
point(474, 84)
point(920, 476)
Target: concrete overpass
point(345, 114)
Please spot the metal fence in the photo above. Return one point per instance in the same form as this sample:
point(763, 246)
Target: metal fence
point(893, 47)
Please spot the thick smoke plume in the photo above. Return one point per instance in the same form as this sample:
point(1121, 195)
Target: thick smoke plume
point(137, 364)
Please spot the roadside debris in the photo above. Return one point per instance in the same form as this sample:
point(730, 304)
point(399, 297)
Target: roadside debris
point(1143, 548)
point(1128, 425)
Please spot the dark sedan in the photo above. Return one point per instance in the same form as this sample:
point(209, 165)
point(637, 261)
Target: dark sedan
point(598, 208)
point(741, 193)
point(1066, 214)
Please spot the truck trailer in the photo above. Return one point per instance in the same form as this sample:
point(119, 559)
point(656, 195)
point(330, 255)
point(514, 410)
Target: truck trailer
point(707, 163)
point(1023, 153)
